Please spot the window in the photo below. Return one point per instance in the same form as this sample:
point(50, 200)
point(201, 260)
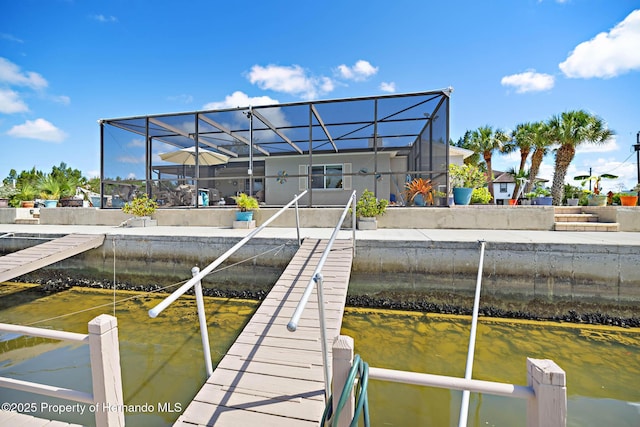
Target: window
point(503, 187)
point(326, 176)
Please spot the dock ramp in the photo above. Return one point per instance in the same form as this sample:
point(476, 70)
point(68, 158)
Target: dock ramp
point(27, 260)
point(270, 376)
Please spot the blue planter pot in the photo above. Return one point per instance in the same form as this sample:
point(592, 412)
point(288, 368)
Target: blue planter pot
point(419, 200)
point(462, 195)
point(543, 201)
point(50, 203)
point(244, 216)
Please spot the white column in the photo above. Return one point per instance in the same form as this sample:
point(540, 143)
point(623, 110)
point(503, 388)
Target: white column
point(549, 407)
point(341, 365)
point(104, 350)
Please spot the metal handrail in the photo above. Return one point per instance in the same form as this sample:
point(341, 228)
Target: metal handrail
point(316, 278)
point(202, 274)
point(195, 282)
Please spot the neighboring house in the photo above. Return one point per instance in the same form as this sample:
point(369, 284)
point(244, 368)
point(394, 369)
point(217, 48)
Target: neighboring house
point(504, 185)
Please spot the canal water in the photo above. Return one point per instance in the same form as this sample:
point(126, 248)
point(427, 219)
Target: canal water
point(163, 368)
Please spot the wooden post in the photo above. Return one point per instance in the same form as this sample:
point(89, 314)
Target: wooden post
point(341, 365)
point(549, 406)
point(104, 350)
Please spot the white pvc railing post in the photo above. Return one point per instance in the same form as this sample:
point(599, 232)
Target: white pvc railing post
point(549, 406)
point(323, 336)
point(106, 375)
point(353, 224)
point(464, 405)
point(202, 318)
point(342, 360)
point(298, 224)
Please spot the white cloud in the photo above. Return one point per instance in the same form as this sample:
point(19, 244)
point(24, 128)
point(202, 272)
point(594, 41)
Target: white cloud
point(360, 71)
point(136, 142)
point(182, 99)
point(240, 99)
point(10, 37)
point(608, 146)
point(388, 87)
point(61, 99)
point(11, 73)
point(607, 54)
point(103, 18)
point(529, 81)
point(10, 102)
point(38, 129)
point(131, 159)
point(292, 80)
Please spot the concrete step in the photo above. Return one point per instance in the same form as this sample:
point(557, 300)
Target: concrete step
point(568, 209)
point(576, 217)
point(586, 226)
point(27, 221)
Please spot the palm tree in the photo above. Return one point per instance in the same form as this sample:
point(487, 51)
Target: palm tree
point(522, 138)
point(541, 145)
point(569, 130)
point(486, 140)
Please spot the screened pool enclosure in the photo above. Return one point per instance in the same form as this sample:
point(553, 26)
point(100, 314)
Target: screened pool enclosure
point(331, 147)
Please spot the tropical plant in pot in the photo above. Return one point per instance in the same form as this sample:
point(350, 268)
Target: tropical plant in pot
point(26, 195)
point(630, 198)
point(368, 207)
point(6, 194)
point(464, 178)
point(50, 190)
point(419, 192)
point(246, 205)
point(481, 196)
point(595, 199)
point(541, 196)
point(140, 206)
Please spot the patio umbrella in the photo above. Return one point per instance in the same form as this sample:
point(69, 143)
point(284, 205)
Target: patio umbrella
point(187, 156)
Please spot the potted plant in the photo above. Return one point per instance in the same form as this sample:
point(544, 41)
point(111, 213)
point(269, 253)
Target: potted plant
point(368, 207)
point(464, 178)
point(419, 192)
point(480, 196)
point(246, 205)
point(142, 207)
point(6, 193)
point(541, 197)
point(595, 198)
point(49, 191)
point(26, 195)
point(630, 198)
point(572, 195)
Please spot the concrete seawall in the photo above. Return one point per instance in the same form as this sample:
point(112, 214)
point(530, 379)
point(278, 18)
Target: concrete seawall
point(605, 273)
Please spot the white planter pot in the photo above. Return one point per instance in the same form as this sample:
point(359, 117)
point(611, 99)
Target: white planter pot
point(367, 223)
point(142, 221)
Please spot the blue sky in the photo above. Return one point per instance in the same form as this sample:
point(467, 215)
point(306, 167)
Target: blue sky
point(65, 64)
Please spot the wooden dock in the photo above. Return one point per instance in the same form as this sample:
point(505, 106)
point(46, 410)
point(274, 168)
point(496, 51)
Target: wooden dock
point(10, 418)
point(270, 376)
point(33, 258)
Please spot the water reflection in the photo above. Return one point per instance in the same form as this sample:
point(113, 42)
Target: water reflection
point(162, 358)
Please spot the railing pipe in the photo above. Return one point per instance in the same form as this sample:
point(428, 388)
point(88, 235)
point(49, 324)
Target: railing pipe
point(189, 284)
point(323, 337)
point(44, 333)
point(464, 405)
point(293, 323)
point(441, 381)
point(353, 225)
point(298, 223)
point(46, 390)
point(202, 318)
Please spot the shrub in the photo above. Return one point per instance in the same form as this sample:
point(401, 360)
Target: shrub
point(481, 195)
point(368, 206)
point(140, 206)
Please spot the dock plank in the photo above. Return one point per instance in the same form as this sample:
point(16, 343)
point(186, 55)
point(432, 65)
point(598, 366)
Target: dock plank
point(271, 376)
point(30, 259)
